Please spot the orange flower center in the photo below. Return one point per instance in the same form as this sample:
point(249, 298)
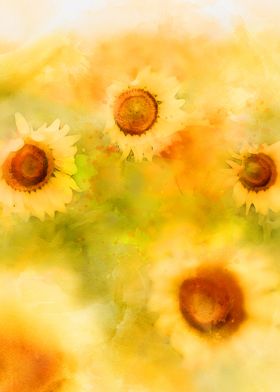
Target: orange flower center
point(26, 368)
point(212, 302)
point(259, 172)
point(135, 111)
point(29, 168)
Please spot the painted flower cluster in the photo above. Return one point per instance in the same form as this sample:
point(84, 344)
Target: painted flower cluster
point(140, 230)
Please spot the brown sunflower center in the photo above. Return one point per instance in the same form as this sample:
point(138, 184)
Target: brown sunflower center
point(259, 172)
point(212, 301)
point(29, 168)
point(135, 111)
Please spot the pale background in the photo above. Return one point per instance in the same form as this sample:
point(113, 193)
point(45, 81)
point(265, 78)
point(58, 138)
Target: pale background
point(25, 20)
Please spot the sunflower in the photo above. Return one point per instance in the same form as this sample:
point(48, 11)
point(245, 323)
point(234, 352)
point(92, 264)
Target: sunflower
point(45, 337)
point(36, 169)
point(143, 114)
point(210, 302)
point(254, 173)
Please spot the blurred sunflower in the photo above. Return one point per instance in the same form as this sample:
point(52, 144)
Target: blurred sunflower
point(36, 169)
point(254, 173)
point(26, 62)
point(142, 115)
point(211, 302)
point(45, 338)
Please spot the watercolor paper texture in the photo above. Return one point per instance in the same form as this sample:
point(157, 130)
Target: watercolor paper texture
point(139, 196)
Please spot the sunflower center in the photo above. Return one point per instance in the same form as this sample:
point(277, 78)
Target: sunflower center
point(28, 168)
point(259, 172)
point(211, 302)
point(25, 368)
point(135, 111)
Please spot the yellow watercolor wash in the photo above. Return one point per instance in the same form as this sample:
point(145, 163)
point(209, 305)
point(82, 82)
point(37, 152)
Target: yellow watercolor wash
point(162, 272)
